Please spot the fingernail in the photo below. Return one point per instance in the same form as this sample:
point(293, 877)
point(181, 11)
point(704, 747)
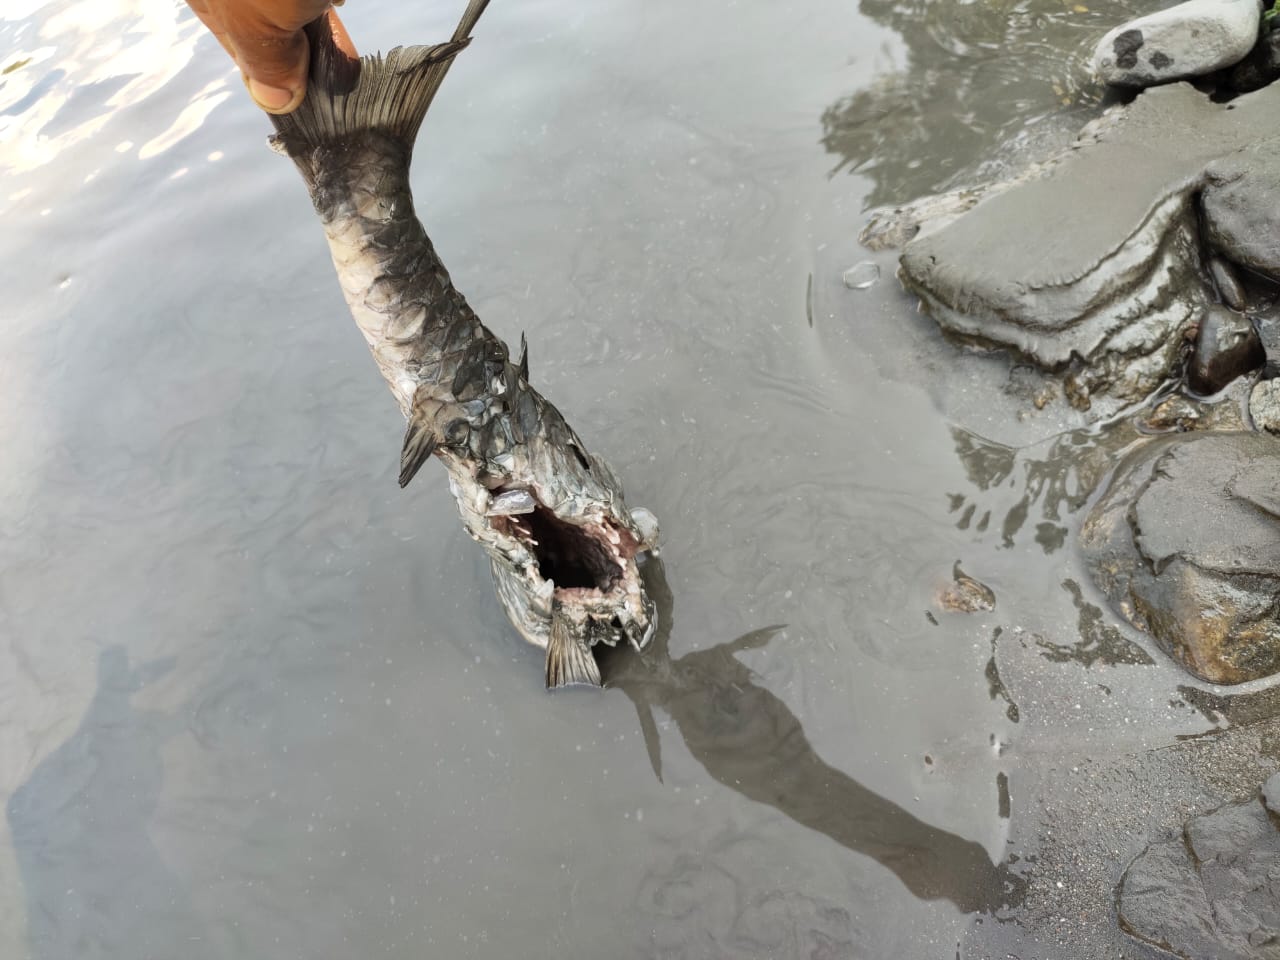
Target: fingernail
point(273, 99)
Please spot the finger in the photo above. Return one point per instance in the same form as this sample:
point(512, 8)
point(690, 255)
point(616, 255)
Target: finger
point(273, 59)
point(341, 38)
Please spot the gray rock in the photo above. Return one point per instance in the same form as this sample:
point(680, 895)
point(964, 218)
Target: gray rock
point(1189, 40)
point(1213, 892)
point(1271, 793)
point(1264, 405)
point(1185, 543)
point(1238, 203)
point(1092, 268)
point(1227, 346)
point(1260, 67)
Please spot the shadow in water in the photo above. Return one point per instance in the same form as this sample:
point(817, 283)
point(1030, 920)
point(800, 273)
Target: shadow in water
point(95, 883)
point(750, 741)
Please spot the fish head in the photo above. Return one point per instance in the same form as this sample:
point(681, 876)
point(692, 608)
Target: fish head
point(563, 546)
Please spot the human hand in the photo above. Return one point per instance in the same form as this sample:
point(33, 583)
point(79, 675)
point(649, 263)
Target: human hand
point(265, 39)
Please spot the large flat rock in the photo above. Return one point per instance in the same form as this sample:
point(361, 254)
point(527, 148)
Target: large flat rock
point(1094, 262)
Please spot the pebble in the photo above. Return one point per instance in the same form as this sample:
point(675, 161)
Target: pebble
point(861, 276)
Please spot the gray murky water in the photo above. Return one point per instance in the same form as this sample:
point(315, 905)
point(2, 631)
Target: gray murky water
point(257, 702)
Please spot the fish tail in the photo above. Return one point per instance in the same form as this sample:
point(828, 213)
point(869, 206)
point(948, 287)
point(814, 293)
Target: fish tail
point(348, 98)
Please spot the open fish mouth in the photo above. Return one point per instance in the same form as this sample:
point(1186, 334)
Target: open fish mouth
point(566, 574)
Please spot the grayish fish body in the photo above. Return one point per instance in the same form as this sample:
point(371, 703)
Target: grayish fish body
point(561, 542)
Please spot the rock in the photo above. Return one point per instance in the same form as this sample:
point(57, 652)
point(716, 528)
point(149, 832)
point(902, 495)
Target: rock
point(1212, 892)
point(1226, 347)
point(1238, 199)
point(1228, 284)
point(1264, 405)
point(965, 594)
point(1188, 40)
point(1185, 543)
point(1271, 793)
point(1174, 413)
point(1260, 67)
point(1092, 268)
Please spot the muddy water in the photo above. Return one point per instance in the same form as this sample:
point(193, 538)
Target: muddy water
point(255, 701)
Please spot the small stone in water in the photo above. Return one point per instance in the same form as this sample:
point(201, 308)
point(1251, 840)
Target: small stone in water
point(861, 275)
point(966, 595)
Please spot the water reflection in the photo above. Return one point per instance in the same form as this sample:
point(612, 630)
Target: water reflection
point(1100, 641)
point(749, 740)
point(974, 76)
point(73, 65)
point(96, 885)
point(1042, 483)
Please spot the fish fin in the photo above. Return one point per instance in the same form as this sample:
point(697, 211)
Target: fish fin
point(523, 365)
point(347, 97)
point(568, 661)
point(419, 443)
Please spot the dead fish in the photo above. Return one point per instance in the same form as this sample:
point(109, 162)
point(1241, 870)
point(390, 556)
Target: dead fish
point(561, 542)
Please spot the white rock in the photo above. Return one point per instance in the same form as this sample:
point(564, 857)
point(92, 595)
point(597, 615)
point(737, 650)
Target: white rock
point(1191, 39)
point(1264, 405)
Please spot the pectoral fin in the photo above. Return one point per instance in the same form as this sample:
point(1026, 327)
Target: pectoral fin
point(419, 443)
point(569, 660)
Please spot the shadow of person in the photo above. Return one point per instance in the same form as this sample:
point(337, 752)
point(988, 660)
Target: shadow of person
point(750, 741)
point(96, 886)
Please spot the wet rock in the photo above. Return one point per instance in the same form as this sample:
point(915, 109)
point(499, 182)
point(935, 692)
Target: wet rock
point(1260, 67)
point(1175, 413)
point(1188, 40)
point(1264, 405)
point(1228, 284)
point(1185, 543)
point(1214, 891)
point(1226, 347)
point(1239, 203)
point(1092, 267)
point(1180, 413)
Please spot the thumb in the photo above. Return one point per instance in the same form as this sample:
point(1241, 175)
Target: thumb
point(274, 62)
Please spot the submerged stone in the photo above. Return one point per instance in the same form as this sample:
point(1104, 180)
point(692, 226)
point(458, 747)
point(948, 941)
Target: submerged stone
point(1188, 40)
point(1185, 543)
point(1094, 265)
point(966, 594)
point(1214, 891)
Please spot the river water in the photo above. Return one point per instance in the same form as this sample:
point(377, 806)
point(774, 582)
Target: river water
point(257, 702)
